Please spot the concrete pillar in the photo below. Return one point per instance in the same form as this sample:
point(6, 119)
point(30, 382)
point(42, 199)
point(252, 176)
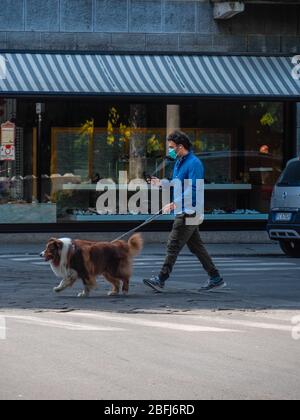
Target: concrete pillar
point(173, 123)
point(298, 129)
point(138, 141)
point(173, 118)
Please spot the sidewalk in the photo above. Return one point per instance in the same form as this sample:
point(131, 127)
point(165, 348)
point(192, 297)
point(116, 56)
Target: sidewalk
point(270, 249)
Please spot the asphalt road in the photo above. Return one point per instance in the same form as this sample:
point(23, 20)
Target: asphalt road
point(239, 343)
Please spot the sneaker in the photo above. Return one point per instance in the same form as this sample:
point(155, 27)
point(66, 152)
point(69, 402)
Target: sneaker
point(213, 284)
point(155, 283)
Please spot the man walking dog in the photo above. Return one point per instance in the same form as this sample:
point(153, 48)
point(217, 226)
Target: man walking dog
point(187, 166)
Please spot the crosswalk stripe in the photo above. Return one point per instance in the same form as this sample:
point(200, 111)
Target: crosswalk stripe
point(178, 270)
point(143, 258)
point(223, 264)
point(41, 263)
point(245, 323)
point(150, 260)
point(199, 269)
point(156, 324)
point(191, 260)
point(9, 256)
point(62, 324)
point(188, 260)
point(228, 265)
point(225, 268)
point(78, 326)
point(120, 320)
point(261, 264)
point(228, 270)
point(157, 264)
point(234, 266)
point(264, 269)
point(185, 263)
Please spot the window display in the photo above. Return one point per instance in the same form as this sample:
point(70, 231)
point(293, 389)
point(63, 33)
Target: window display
point(241, 145)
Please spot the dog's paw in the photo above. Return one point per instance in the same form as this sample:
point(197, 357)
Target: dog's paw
point(83, 295)
point(113, 294)
point(57, 289)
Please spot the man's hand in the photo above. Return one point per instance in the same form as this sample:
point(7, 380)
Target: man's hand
point(168, 208)
point(155, 181)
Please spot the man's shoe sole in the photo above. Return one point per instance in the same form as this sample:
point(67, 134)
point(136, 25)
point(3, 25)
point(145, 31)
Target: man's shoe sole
point(153, 287)
point(219, 287)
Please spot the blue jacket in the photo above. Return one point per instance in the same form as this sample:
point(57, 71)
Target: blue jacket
point(188, 167)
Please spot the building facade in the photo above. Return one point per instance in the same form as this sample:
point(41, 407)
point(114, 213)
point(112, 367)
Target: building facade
point(92, 88)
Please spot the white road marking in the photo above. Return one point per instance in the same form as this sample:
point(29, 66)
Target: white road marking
point(188, 263)
point(192, 257)
point(245, 323)
point(155, 324)
point(61, 324)
point(244, 267)
point(259, 264)
point(278, 316)
point(152, 324)
point(227, 266)
point(12, 256)
point(41, 263)
point(264, 269)
point(3, 328)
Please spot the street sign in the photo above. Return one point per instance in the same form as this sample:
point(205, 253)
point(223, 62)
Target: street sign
point(7, 153)
point(8, 136)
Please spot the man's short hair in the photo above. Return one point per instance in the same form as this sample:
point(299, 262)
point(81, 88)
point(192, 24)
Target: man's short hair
point(179, 137)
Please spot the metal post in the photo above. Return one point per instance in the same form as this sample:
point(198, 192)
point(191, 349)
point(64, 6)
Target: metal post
point(40, 108)
point(298, 129)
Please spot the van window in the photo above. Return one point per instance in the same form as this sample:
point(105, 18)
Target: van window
point(291, 176)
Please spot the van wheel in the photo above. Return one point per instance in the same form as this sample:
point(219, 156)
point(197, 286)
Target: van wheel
point(291, 248)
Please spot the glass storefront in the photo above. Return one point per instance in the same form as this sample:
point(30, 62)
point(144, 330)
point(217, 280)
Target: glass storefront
point(53, 175)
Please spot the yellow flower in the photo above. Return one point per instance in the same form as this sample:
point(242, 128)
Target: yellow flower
point(267, 119)
point(110, 128)
point(128, 133)
point(154, 144)
point(88, 128)
point(197, 145)
point(110, 140)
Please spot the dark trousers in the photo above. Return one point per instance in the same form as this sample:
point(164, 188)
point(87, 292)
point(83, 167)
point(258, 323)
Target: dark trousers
point(181, 235)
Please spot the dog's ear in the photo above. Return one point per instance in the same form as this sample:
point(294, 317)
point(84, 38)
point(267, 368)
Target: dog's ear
point(59, 244)
point(56, 242)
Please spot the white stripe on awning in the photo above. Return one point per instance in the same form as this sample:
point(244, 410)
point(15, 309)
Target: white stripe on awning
point(149, 75)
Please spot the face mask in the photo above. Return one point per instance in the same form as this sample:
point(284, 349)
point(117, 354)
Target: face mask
point(172, 154)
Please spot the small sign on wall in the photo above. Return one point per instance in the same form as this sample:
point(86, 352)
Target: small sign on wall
point(7, 153)
point(8, 136)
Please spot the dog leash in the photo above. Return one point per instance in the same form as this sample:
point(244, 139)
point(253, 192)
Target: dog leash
point(153, 217)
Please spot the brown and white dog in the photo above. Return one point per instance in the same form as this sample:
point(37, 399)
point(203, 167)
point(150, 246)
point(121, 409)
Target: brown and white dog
point(77, 259)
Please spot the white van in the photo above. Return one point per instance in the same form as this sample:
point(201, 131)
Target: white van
point(284, 220)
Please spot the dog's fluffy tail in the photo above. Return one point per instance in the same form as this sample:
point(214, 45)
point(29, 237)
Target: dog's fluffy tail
point(136, 244)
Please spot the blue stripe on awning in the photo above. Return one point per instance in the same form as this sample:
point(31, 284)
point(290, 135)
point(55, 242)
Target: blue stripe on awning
point(149, 75)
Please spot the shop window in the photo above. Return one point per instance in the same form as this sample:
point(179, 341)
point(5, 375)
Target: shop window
point(239, 143)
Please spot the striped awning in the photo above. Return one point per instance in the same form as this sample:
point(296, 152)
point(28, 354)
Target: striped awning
point(147, 75)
